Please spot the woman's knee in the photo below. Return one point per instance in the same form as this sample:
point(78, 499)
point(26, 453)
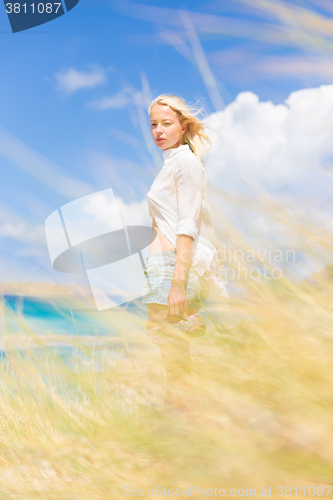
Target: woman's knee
point(157, 311)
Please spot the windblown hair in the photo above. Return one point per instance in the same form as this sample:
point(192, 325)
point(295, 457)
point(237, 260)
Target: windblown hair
point(194, 136)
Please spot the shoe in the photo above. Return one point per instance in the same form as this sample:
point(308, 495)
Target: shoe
point(162, 332)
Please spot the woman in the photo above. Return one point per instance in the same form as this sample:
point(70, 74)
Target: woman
point(182, 259)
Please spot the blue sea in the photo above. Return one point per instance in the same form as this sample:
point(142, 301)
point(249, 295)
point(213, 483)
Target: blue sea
point(61, 319)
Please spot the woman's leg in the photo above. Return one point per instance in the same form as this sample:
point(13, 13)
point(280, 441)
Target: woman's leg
point(176, 357)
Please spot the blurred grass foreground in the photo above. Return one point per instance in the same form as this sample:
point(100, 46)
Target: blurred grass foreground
point(263, 416)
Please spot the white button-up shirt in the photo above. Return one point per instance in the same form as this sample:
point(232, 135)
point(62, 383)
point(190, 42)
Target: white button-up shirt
point(177, 200)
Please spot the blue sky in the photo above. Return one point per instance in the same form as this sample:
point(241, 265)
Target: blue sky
point(74, 95)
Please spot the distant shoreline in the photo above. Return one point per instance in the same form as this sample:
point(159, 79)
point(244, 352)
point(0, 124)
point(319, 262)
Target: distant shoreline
point(46, 290)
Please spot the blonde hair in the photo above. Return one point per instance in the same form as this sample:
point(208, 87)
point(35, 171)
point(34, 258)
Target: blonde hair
point(194, 136)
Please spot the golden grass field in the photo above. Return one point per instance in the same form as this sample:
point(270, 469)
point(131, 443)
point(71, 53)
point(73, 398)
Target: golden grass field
point(263, 416)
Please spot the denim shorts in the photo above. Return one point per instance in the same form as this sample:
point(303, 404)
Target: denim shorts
point(159, 271)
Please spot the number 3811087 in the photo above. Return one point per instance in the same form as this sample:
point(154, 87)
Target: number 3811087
point(34, 8)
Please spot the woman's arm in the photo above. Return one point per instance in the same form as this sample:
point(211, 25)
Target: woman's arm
point(190, 183)
point(177, 301)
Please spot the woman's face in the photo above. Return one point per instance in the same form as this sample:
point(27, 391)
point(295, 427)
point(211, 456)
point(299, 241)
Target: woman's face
point(165, 127)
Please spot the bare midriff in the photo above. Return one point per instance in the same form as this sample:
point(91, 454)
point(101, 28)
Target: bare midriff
point(160, 243)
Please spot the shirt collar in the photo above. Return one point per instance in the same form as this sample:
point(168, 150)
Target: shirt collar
point(169, 153)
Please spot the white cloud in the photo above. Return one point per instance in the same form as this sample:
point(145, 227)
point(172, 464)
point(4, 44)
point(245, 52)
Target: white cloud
point(23, 231)
point(135, 213)
point(283, 146)
point(116, 101)
point(71, 80)
point(96, 214)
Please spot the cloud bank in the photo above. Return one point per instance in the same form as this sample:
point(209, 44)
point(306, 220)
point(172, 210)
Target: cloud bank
point(285, 147)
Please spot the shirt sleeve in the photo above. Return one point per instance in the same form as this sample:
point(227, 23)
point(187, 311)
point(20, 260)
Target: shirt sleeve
point(190, 184)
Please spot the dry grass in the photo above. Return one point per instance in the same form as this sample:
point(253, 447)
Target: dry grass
point(263, 373)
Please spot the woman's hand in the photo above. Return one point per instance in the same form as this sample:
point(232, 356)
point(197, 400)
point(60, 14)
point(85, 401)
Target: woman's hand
point(177, 301)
